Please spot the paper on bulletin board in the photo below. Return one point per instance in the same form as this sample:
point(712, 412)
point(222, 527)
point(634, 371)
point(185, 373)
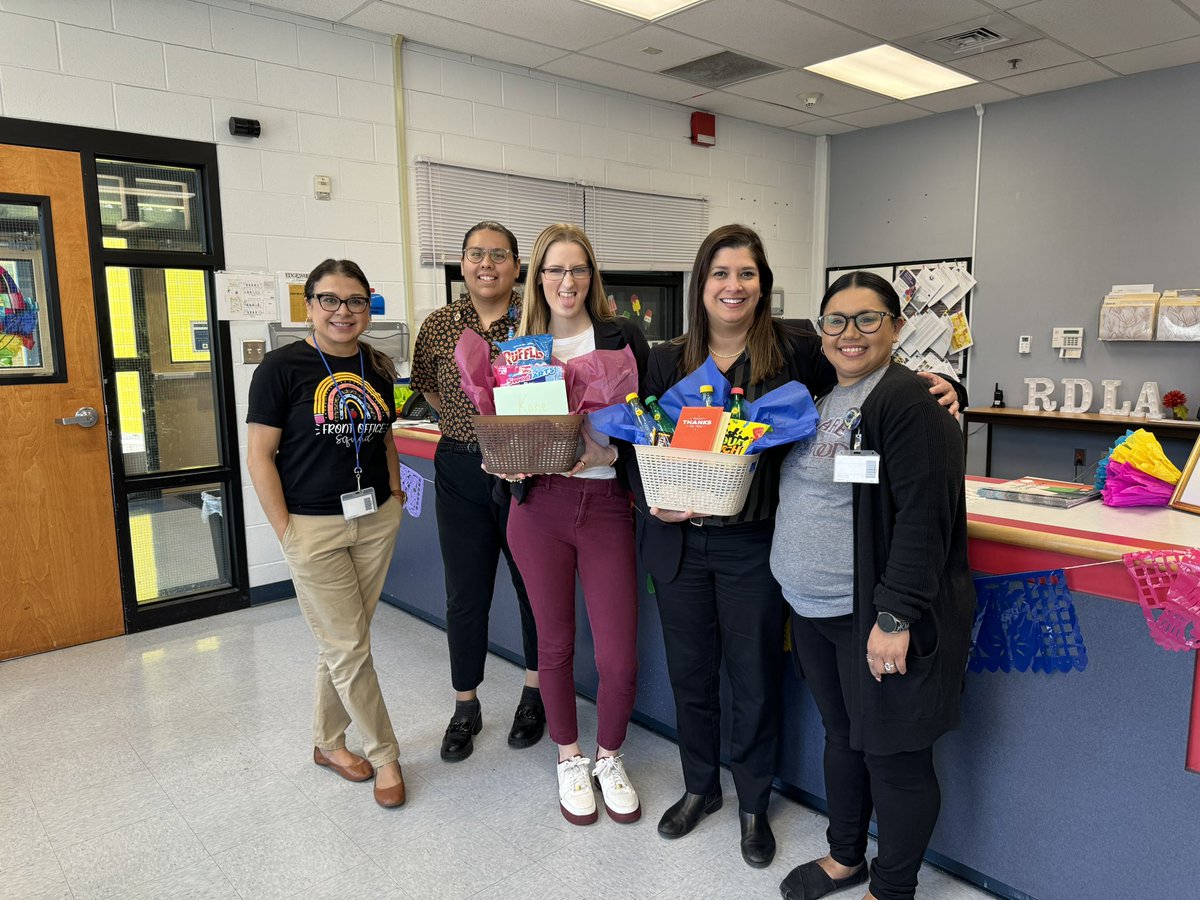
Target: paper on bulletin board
point(245, 295)
point(290, 289)
point(960, 338)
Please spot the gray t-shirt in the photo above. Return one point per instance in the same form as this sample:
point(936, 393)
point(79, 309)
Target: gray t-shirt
point(812, 555)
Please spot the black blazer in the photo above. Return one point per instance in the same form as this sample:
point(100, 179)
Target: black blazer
point(611, 334)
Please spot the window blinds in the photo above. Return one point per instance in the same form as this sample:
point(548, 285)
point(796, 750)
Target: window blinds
point(630, 230)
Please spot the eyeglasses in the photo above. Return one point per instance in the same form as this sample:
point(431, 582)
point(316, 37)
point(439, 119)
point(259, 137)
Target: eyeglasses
point(558, 273)
point(866, 322)
point(332, 302)
point(498, 254)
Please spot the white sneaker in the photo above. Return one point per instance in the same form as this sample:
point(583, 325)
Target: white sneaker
point(620, 799)
point(575, 797)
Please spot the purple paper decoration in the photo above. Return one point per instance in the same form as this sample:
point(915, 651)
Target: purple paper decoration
point(413, 486)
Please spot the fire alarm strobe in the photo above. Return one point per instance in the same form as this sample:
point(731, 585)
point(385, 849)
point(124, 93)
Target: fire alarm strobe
point(704, 129)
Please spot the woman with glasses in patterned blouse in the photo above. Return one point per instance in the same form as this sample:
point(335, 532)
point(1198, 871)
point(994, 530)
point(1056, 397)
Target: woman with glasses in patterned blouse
point(471, 524)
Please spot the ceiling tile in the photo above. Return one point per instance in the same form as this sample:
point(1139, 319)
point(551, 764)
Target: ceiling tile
point(1033, 55)
point(784, 88)
point(889, 114)
point(823, 126)
point(1100, 27)
point(961, 98)
point(768, 29)
point(1071, 75)
point(570, 26)
point(1162, 56)
point(889, 19)
point(598, 71)
point(329, 10)
point(676, 49)
point(450, 35)
point(751, 110)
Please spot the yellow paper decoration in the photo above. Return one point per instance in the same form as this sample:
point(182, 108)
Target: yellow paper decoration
point(1143, 451)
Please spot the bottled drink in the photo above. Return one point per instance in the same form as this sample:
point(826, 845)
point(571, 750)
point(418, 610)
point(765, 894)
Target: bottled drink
point(645, 422)
point(634, 403)
point(706, 395)
point(737, 401)
point(665, 423)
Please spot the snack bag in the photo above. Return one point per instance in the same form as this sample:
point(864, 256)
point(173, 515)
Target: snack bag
point(740, 435)
point(527, 350)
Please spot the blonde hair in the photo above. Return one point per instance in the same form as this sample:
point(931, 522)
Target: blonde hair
point(535, 311)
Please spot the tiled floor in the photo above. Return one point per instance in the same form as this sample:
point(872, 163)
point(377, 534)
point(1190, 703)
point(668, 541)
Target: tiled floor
point(177, 764)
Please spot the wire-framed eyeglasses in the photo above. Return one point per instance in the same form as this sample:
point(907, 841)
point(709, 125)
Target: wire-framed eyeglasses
point(558, 273)
point(866, 322)
point(332, 302)
point(497, 254)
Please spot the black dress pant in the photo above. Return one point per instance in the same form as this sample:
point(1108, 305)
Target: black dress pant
point(902, 788)
point(725, 605)
point(471, 532)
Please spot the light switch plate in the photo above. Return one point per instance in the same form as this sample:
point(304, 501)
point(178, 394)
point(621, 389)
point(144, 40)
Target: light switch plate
point(253, 352)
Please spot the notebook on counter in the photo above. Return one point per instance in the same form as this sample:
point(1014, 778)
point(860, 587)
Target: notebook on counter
point(1042, 491)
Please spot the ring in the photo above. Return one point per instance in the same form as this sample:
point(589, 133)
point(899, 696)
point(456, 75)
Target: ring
point(887, 667)
point(868, 657)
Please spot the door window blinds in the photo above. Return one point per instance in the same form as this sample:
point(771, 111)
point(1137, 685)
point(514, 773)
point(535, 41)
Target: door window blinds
point(629, 229)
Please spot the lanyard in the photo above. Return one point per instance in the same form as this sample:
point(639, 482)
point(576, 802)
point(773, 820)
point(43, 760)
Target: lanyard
point(356, 429)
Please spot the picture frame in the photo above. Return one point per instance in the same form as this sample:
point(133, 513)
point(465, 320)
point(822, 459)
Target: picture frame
point(1187, 492)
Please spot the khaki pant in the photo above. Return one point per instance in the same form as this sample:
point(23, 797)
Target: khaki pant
point(338, 568)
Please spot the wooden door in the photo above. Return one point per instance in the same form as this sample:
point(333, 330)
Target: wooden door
point(61, 582)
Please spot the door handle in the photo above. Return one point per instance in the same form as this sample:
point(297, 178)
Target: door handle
point(85, 417)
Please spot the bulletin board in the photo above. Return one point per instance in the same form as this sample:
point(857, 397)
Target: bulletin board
point(935, 299)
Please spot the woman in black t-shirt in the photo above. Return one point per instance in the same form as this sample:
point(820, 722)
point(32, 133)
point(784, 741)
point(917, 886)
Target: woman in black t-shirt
point(325, 469)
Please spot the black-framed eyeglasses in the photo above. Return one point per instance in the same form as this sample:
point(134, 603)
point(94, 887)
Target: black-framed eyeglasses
point(332, 302)
point(498, 254)
point(866, 322)
point(558, 273)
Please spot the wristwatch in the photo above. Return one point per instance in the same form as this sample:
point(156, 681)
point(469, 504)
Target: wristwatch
point(890, 624)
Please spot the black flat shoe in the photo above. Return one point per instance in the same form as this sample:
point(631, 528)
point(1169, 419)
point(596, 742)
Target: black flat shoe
point(459, 739)
point(685, 814)
point(529, 724)
point(758, 842)
point(810, 881)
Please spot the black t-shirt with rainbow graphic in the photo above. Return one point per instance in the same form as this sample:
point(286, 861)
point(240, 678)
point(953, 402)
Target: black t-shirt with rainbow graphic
point(319, 415)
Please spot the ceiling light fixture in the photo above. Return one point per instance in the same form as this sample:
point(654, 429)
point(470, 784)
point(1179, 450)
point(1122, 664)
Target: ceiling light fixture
point(651, 51)
point(892, 72)
point(646, 9)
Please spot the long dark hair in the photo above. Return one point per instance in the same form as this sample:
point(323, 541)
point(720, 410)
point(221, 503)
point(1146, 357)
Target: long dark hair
point(871, 282)
point(765, 336)
point(492, 226)
point(382, 363)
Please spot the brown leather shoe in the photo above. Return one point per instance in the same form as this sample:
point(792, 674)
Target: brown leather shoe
point(360, 771)
point(392, 796)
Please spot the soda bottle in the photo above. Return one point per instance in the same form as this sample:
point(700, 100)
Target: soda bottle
point(706, 395)
point(645, 422)
point(737, 401)
point(664, 422)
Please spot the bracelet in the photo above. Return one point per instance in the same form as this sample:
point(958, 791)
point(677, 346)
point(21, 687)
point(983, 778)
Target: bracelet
point(616, 455)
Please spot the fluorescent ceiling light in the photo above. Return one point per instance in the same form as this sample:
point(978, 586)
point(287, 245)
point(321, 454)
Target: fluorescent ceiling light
point(892, 72)
point(646, 9)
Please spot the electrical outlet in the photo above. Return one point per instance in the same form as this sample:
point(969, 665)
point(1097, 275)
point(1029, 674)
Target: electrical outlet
point(253, 352)
point(1080, 457)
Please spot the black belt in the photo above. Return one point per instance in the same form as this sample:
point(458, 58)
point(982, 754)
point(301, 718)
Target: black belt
point(451, 446)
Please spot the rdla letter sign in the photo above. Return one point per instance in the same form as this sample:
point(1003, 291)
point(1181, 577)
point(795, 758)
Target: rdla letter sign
point(1080, 401)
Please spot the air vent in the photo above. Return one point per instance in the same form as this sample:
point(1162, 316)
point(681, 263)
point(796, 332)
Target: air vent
point(975, 39)
point(720, 69)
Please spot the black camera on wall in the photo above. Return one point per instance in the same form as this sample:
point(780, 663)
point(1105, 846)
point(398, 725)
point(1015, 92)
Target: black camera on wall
point(244, 127)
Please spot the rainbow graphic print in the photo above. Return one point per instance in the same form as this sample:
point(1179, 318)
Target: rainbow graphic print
point(344, 403)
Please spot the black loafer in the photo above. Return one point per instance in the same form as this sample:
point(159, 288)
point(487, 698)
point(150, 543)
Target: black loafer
point(529, 724)
point(758, 842)
point(810, 881)
point(685, 814)
point(459, 739)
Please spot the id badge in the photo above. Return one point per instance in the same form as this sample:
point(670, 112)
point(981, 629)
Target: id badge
point(857, 468)
point(356, 504)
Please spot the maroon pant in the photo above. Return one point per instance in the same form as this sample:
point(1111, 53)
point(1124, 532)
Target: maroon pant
point(566, 525)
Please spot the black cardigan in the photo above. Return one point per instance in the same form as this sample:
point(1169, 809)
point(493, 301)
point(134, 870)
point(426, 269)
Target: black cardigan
point(910, 558)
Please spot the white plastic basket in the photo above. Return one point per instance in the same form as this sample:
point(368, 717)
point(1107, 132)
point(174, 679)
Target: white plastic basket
point(715, 484)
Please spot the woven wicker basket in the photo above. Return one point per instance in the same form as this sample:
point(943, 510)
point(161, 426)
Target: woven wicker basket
point(535, 445)
point(712, 483)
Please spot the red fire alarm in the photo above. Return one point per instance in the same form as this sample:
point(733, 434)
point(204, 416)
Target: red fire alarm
point(704, 129)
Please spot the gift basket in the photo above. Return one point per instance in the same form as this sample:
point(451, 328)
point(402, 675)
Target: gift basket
point(697, 446)
point(532, 407)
